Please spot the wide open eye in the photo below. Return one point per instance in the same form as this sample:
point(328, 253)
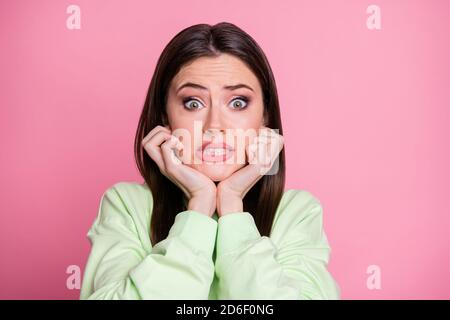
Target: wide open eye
point(239, 103)
point(191, 103)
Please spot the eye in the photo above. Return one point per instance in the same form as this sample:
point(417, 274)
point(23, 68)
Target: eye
point(239, 103)
point(194, 103)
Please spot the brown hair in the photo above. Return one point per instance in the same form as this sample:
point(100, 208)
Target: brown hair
point(191, 43)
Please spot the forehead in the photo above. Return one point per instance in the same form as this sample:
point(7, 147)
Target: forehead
point(218, 71)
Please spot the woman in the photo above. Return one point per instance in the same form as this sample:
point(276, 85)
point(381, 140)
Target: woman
point(212, 219)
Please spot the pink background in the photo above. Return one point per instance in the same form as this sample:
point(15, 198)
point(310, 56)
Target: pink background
point(365, 115)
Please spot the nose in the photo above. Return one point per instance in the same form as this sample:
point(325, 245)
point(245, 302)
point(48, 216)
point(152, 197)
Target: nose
point(210, 133)
point(214, 124)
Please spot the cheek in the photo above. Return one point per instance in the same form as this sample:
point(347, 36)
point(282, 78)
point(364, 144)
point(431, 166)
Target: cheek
point(250, 118)
point(176, 120)
point(185, 134)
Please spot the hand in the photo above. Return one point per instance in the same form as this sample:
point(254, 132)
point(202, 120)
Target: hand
point(164, 149)
point(261, 155)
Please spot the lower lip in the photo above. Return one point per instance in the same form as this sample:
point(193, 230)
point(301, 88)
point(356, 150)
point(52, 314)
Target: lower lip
point(212, 158)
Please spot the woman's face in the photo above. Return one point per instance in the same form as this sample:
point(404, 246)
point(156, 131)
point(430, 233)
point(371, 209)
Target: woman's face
point(215, 100)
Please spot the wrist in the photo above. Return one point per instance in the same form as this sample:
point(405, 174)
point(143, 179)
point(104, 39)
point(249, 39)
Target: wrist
point(228, 203)
point(205, 205)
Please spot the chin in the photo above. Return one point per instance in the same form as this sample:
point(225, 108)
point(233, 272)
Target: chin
point(217, 172)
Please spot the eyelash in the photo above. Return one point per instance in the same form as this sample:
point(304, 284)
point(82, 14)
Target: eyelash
point(245, 99)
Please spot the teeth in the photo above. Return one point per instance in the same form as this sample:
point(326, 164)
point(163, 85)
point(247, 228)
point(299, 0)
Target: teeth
point(215, 151)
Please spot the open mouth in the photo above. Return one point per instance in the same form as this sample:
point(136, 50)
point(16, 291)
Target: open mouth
point(214, 152)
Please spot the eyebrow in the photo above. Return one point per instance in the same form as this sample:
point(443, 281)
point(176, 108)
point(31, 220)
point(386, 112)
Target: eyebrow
point(197, 86)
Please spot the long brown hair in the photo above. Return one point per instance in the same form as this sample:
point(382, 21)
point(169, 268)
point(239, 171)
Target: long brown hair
point(191, 43)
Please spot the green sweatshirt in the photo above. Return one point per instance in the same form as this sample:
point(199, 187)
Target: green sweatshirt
point(204, 257)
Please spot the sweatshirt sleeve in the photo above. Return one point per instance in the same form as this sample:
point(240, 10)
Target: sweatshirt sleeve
point(120, 267)
point(292, 265)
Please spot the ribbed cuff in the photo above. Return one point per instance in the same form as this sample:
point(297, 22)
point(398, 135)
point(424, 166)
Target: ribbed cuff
point(235, 230)
point(196, 230)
